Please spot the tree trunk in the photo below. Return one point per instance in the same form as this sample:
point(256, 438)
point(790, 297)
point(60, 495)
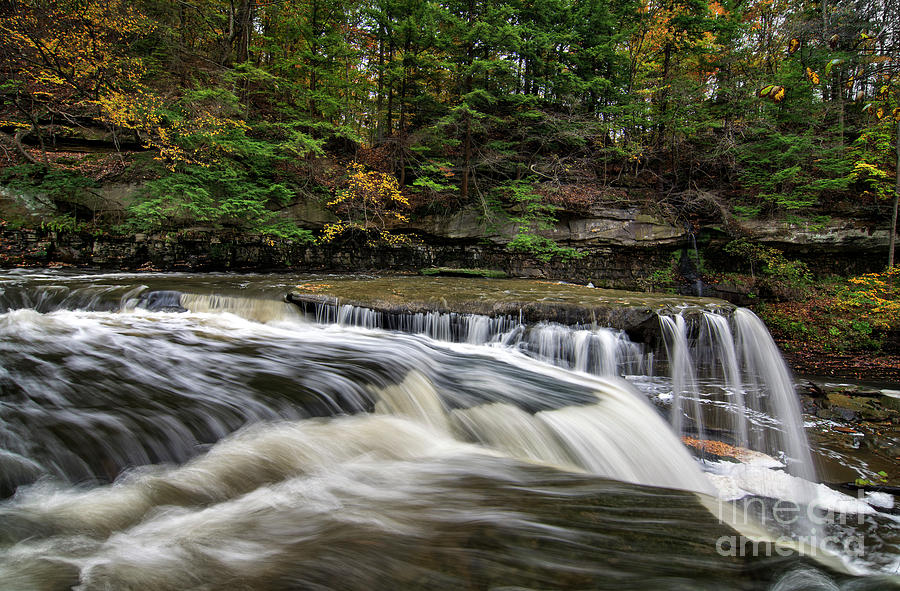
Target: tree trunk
point(467, 156)
point(379, 95)
point(893, 240)
point(467, 89)
point(401, 126)
point(664, 97)
point(17, 141)
point(314, 51)
point(388, 120)
point(246, 30)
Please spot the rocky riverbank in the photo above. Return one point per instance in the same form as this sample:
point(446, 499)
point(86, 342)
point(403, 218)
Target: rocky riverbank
point(856, 429)
point(855, 366)
point(625, 266)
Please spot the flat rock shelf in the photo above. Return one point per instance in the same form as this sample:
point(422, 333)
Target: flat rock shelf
point(528, 301)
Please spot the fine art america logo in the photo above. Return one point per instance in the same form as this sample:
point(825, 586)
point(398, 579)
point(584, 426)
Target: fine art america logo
point(811, 528)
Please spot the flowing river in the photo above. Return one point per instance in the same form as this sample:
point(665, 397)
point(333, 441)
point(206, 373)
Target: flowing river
point(174, 431)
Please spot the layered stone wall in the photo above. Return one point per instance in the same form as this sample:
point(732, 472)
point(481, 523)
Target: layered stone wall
point(614, 267)
point(622, 247)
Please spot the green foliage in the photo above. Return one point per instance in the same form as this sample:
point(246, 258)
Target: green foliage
point(465, 102)
point(791, 171)
point(61, 199)
point(815, 328)
point(769, 261)
point(746, 211)
point(224, 196)
point(663, 278)
point(856, 314)
point(540, 247)
point(880, 479)
point(44, 182)
point(872, 157)
point(530, 214)
point(433, 176)
point(63, 223)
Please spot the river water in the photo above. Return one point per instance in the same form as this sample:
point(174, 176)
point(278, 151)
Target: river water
point(195, 432)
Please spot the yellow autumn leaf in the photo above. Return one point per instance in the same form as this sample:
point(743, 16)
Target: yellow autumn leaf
point(779, 95)
point(812, 76)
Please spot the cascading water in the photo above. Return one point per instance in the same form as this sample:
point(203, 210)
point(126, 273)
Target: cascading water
point(717, 350)
point(681, 369)
point(746, 373)
point(187, 432)
point(766, 371)
point(743, 361)
point(596, 350)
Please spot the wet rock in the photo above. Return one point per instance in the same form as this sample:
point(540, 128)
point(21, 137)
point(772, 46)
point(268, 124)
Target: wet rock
point(853, 408)
point(890, 399)
point(867, 392)
point(889, 445)
point(846, 414)
point(162, 301)
point(813, 390)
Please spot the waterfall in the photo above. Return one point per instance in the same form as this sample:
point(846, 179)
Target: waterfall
point(506, 427)
point(168, 433)
point(162, 384)
point(255, 309)
point(594, 436)
point(618, 436)
point(47, 298)
point(728, 381)
point(475, 329)
point(750, 404)
point(681, 369)
point(415, 398)
point(590, 349)
point(774, 391)
point(741, 355)
point(717, 349)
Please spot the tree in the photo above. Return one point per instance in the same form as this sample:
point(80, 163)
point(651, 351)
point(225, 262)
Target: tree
point(60, 59)
point(893, 240)
point(371, 204)
point(775, 102)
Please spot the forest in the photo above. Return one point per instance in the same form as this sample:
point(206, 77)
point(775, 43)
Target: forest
point(227, 113)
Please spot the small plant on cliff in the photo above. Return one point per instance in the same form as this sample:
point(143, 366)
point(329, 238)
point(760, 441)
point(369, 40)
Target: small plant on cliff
point(662, 279)
point(531, 214)
point(370, 204)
